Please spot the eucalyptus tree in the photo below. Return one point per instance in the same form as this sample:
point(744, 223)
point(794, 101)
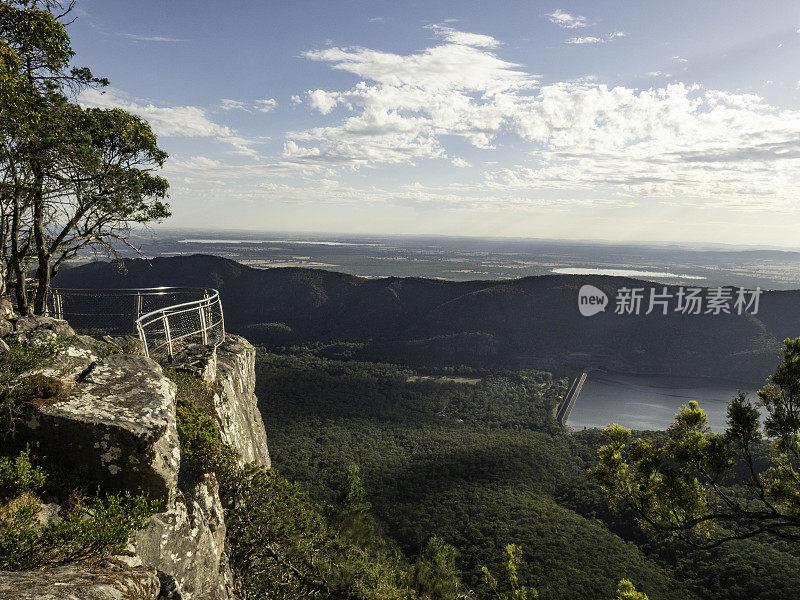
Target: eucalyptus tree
point(103, 184)
point(708, 488)
point(71, 177)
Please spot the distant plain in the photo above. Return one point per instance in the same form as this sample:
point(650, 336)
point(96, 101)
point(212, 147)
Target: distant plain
point(463, 258)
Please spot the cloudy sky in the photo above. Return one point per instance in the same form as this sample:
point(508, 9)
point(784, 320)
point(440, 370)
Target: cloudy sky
point(624, 120)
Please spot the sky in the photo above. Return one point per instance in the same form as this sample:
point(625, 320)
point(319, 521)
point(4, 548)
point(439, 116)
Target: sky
point(619, 120)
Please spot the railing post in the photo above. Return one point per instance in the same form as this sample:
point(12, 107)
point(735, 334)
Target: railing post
point(221, 320)
point(203, 323)
point(57, 309)
point(142, 337)
point(137, 308)
point(165, 321)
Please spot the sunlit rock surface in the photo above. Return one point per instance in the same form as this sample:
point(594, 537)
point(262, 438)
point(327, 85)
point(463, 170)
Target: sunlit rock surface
point(109, 579)
point(231, 372)
point(116, 428)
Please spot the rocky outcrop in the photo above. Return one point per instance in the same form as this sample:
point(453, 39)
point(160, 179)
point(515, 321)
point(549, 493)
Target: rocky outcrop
point(231, 373)
point(187, 541)
point(110, 579)
point(115, 428)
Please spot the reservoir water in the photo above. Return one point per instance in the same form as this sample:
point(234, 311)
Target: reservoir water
point(649, 402)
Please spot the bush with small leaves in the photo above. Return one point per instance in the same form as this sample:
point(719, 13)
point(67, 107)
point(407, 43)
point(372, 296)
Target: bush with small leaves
point(626, 591)
point(512, 557)
point(91, 528)
point(18, 476)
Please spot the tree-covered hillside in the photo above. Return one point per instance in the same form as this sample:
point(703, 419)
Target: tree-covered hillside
point(479, 462)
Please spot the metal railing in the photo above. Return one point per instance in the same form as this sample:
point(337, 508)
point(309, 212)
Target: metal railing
point(161, 317)
point(161, 329)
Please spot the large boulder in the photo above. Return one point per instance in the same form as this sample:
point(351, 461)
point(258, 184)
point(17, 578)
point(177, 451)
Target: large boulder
point(116, 427)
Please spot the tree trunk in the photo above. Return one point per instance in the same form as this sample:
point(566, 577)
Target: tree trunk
point(42, 256)
point(17, 261)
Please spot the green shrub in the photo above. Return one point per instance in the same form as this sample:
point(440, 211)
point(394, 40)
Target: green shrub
point(626, 591)
point(21, 358)
point(202, 448)
point(18, 476)
point(435, 575)
point(351, 516)
point(91, 528)
point(281, 546)
point(118, 346)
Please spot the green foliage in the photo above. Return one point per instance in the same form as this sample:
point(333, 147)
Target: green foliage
point(21, 358)
point(476, 465)
point(435, 575)
point(202, 448)
point(686, 486)
point(120, 346)
point(511, 559)
point(39, 389)
point(91, 528)
point(93, 167)
point(18, 476)
point(351, 514)
point(626, 591)
point(280, 545)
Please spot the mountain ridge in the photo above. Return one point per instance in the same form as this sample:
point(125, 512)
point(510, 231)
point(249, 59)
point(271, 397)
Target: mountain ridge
point(532, 321)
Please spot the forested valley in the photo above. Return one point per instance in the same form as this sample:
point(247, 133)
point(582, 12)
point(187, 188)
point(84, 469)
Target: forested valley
point(476, 458)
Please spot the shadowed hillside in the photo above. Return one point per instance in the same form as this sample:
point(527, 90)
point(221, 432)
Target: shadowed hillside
point(529, 322)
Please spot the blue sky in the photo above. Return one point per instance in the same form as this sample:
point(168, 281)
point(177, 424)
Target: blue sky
point(646, 121)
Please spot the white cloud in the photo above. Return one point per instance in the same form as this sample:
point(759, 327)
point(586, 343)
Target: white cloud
point(167, 121)
point(576, 143)
point(566, 20)
point(679, 142)
point(227, 104)
point(461, 37)
point(321, 100)
point(150, 38)
point(377, 20)
point(405, 102)
point(589, 39)
point(596, 40)
point(680, 59)
point(267, 105)
point(185, 121)
point(669, 143)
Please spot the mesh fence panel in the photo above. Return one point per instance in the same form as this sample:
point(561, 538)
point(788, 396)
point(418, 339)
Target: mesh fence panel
point(166, 316)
